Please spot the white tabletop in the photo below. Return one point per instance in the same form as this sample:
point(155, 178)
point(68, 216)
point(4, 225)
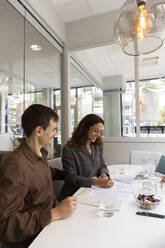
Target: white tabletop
point(124, 168)
point(86, 229)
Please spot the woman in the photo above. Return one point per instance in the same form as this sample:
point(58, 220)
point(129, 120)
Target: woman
point(82, 157)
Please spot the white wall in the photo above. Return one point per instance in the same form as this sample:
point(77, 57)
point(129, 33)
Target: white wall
point(90, 32)
point(86, 62)
point(116, 150)
point(46, 11)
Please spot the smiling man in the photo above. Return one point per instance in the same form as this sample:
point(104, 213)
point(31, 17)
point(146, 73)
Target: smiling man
point(27, 201)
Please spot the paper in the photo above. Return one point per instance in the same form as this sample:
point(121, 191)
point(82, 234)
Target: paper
point(91, 197)
point(117, 187)
point(119, 193)
point(125, 178)
point(123, 198)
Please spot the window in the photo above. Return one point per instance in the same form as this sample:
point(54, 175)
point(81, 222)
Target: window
point(14, 105)
point(128, 110)
point(151, 107)
point(84, 100)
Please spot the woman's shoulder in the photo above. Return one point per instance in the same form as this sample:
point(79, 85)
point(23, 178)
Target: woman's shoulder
point(70, 151)
point(70, 148)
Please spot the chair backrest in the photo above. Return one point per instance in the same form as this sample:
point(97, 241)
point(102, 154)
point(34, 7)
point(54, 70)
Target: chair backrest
point(55, 163)
point(138, 157)
point(58, 184)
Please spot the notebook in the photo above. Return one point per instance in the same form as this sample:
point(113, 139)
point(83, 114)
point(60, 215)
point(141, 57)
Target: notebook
point(161, 165)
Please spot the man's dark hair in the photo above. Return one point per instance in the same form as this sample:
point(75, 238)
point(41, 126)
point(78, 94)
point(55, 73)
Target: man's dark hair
point(37, 115)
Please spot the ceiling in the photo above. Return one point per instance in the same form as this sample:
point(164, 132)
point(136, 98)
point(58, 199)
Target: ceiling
point(42, 69)
point(109, 60)
point(71, 10)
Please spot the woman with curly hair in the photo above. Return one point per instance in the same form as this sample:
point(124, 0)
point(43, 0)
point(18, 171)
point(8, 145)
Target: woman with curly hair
point(82, 157)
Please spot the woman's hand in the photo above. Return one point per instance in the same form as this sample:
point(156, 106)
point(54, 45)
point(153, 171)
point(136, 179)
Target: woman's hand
point(102, 182)
point(103, 175)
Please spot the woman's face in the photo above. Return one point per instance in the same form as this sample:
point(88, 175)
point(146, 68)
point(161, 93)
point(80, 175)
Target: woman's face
point(95, 132)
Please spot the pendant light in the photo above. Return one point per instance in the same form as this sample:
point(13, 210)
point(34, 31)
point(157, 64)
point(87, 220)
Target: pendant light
point(139, 27)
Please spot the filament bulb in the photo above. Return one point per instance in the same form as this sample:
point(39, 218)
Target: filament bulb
point(142, 24)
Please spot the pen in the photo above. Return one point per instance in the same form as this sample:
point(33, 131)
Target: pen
point(151, 215)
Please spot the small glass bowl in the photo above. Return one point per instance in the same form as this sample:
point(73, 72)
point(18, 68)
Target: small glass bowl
point(148, 201)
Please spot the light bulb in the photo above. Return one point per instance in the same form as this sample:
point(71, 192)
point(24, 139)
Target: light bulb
point(142, 23)
point(35, 47)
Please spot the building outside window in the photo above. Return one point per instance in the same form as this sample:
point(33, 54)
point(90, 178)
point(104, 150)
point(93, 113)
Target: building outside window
point(128, 110)
point(57, 108)
point(151, 107)
point(14, 105)
point(84, 100)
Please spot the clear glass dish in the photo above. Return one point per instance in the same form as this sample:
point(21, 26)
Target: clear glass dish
point(148, 197)
point(148, 201)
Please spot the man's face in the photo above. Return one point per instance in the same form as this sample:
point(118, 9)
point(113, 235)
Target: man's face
point(47, 135)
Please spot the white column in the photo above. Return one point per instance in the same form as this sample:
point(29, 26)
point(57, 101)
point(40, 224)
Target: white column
point(47, 94)
point(136, 66)
point(65, 97)
point(112, 114)
point(2, 113)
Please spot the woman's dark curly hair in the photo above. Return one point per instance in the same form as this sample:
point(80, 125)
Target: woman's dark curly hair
point(80, 135)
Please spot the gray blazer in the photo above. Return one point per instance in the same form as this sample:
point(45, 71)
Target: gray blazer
point(80, 166)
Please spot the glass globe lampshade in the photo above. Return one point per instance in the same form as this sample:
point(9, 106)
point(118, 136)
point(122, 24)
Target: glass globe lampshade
point(139, 26)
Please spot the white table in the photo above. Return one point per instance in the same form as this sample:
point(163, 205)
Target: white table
point(86, 229)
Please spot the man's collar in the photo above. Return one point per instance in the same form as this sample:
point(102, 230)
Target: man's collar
point(30, 154)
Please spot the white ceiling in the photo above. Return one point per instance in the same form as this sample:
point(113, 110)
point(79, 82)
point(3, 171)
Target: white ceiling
point(107, 60)
point(43, 66)
point(110, 60)
point(71, 10)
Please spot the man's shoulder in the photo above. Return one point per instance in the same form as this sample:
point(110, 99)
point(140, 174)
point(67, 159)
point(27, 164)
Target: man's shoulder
point(15, 156)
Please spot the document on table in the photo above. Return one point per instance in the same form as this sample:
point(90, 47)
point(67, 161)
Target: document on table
point(85, 196)
point(119, 193)
point(125, 178)
point(117, 187)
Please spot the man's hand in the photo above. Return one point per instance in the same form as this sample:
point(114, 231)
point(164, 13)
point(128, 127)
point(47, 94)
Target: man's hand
point(64, 209)
point(163, 178)
point(102, 182)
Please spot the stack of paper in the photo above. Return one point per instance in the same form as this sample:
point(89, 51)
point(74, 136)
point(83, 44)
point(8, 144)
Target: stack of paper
point(119, 193)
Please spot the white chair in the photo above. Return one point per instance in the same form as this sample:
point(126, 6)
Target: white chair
point(55, 163)
point(138, 157)
point(58, 184)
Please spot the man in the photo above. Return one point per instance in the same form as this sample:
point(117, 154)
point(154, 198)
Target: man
point(27, 201)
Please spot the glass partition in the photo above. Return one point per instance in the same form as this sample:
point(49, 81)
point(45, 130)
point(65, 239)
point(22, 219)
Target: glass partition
point(42, 66)
point(30, 68)
point(11, 66)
